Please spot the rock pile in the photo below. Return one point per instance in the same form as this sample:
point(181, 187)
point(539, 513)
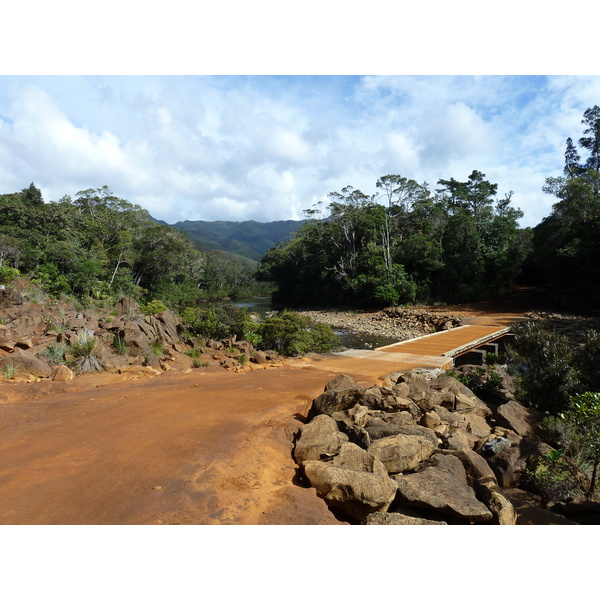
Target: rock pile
point(395, 322)
point(122, 338)
point(422, 449)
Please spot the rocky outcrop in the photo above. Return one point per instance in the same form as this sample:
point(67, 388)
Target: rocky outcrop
point(124, 338)
point(442, 448)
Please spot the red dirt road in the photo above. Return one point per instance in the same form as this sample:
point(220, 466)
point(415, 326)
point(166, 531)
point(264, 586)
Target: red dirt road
point(194, 448)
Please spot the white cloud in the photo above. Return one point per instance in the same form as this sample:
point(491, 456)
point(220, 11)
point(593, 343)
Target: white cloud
point(267, 148)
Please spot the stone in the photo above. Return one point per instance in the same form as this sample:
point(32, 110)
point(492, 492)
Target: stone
point(502, 508)
point(394, 518)
point(515, 416)
point(331, 401)
point(507, 466)
point(495, 446)
point(468, 403)
point(475, 465)
point(320, 437)
point(355, 493)
point(402, 452)
point(441, 490)
point(477, 426)
point(452, 464)
point(341, 383)
point(27, 362)
point(355, 458)
point(62, 373)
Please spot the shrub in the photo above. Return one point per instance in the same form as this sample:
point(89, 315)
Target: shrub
point(54, 354)
point(119, 345)
point(8, 274)
point(292, 334)
point(157, 348)
point(218, 322)
point(582, 421)
point(84, 357)
point(153, 307)
point(543, 363)
point(550, 477)
point(8, 370)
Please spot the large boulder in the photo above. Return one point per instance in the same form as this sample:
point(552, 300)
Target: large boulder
point(319, 438)
point(439, 489)
point(356, 493)
point(355, 458)
point(395, 518)
point(333, 400)
point(26, 362)
point(515, 416)
point(402, 452)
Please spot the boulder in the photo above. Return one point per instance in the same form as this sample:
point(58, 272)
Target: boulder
point(475, 465)
point(502, 508)
point(62, 373)
point(402, 452)
point(515, 416)
point(440, 490)
point(27, 362)
point(451, 463)
point(342, 383)
point(507, 466)
point(331, 401)
point(395, 518)
point(356, 458)
point(356, 493)
point(319, 438)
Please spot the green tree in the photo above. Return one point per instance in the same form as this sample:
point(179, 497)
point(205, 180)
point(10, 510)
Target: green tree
point(582, 419)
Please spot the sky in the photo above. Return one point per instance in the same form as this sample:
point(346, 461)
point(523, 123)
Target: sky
point(268, 147)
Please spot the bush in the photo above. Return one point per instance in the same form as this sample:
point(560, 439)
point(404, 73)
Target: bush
point(54, 354)
point(84, 357)
point(8, 274)
point(550, 477)
point(154, 307)
point(543, 363)
point(292, 334)
point(219, 322)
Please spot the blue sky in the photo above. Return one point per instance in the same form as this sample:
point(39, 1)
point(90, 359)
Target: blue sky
point(192, 121)
point(269, 147)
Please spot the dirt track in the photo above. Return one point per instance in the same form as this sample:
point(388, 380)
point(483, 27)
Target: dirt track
point(175, 449)
point(195, 448)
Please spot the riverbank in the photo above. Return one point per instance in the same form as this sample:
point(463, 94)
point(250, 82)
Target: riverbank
point(397, 324)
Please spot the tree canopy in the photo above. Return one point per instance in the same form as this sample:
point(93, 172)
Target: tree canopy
point(402, 244)
point(98, 245)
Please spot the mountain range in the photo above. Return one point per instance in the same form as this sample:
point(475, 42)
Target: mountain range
point(249, 239)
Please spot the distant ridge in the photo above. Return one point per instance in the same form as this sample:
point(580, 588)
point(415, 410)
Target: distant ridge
point(250, 239)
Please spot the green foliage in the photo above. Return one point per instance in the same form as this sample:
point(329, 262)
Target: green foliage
point(119, 345)
point(8, 274)
point(543, 363)
point(153, 307)
point(582, 421)
point(462, 244)
point(550, 477)
point(292, 334)
point(99, 248)
point(565, 243)
point(219, 322)
point(83, 351)
point(157, 348)
point(192, 352)
point(54, 354)
point(8, 370)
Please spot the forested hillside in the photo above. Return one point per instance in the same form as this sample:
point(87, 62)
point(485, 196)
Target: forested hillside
point(458, 244)
point(99, 246)
point(245, 238)
point(404, 243)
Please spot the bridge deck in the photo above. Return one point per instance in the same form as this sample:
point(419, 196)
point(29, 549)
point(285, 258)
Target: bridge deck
point(434, 350)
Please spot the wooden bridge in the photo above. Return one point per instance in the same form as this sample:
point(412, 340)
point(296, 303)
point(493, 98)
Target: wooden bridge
point(439, 350)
